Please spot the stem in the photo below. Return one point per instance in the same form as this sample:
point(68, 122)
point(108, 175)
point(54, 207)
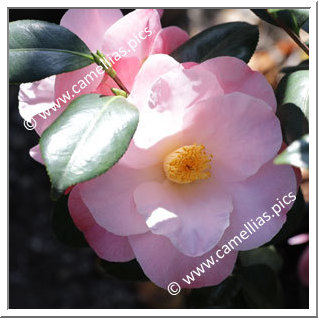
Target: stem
point(120, 84)
point(292, 34)
point(101, 60)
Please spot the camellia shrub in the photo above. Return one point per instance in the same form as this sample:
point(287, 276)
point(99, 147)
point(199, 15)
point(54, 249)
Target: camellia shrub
point(168, 155)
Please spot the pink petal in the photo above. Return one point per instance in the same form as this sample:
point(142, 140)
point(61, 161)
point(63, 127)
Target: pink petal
point(110, 199)
point(164, 264)
point(106, 245)
point(69, 86)
point(168, 39)
point(180, 88)
point(236, 76)
point(241, 132)
point(126, 70)
point(140, 158)
point(133, 34)
point(192, 216)
point(161, 12)
point(187, 65)
point(36, 98)
point(165, 103)
point(154, 67)
point(257, 195)
point(90, 24)
point(298, 239)
point(162, 92)
point(35, 153)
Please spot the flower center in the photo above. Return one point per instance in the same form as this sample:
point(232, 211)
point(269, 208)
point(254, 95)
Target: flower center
point(187, 164)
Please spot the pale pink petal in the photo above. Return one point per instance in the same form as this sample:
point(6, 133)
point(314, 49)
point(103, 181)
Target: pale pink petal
point(241, 132)
point(298, 239)
point(139, 158)
point(161, 12)
point(154, 67)
point(162, 91)
point(168, 39)
point(127, 70)
point(164, 264)
point(35, 98)
point(193, 216)
point(106, 245)
point(180, 88)
point(235, 75)
point(187, 65)
point(173, 92)
point(90, 24)
point(133, 34)
point(35, 153)
point(303, 267)
point(110, 199)
point(257, 195)
point(69, 86)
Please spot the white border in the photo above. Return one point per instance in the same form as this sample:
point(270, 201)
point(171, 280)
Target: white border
point(158, 312)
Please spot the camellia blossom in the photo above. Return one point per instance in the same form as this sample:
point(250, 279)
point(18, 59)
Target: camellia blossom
point(109, 31)
point(199, 166)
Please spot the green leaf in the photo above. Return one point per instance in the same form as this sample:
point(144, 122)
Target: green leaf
point(296, 154)
point(294, 19)
point(87, 139)
point(294, 89)
point(39, 49)
point(128, 271)
point(238, 39)
point(292, 96)
point(261, 287)
point(293, 122)
point(64, 227)
point(266, 255)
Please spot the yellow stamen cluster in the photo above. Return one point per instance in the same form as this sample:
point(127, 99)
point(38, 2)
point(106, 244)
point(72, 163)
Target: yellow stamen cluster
point(187, 164)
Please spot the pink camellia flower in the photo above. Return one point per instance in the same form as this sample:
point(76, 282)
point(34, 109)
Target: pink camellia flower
point(197, 169)
point(199, 165)
point(126, 40)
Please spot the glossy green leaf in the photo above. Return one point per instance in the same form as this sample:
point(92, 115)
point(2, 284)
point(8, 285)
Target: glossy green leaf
point(63, 226)
point(292, 96)
point(39, 49)
point(266, 255)
point(261, 287)
point(293, 122)
point(296, 154)
point(294, 89)
point(294, 19)
point(238, 39)
point(87, 139)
